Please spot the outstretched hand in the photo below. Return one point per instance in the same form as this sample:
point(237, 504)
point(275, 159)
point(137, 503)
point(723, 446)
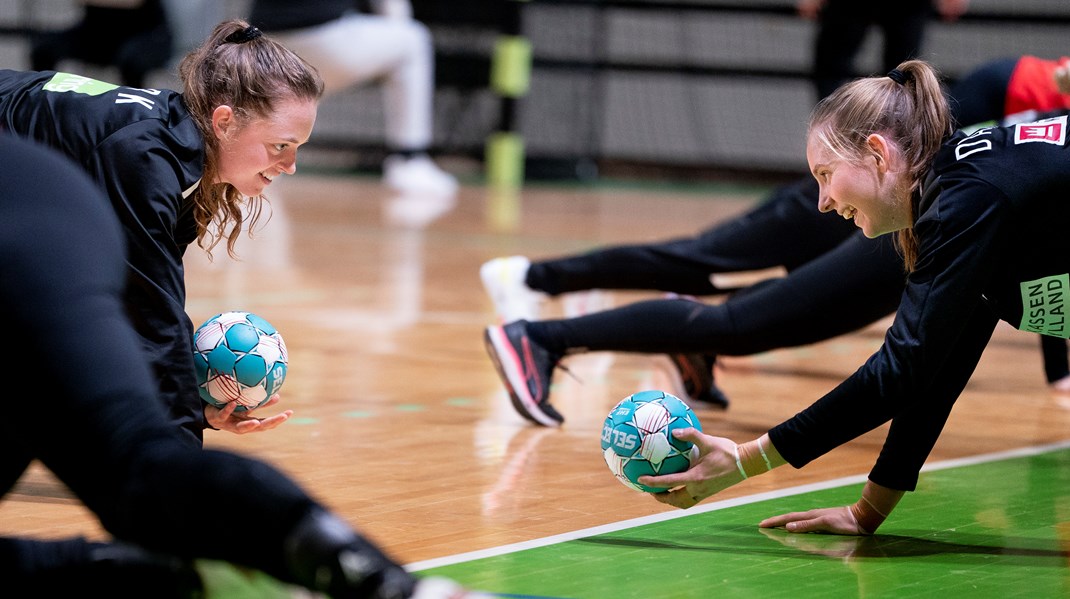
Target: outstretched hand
point(835, 520)
point(713, 470)
point(240, 423)
point(862, 518)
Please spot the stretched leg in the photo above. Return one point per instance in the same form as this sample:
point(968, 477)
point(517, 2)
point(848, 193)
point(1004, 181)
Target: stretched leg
point(813, 303)
point(786, 230)
point(72, 567)
point(106, 436)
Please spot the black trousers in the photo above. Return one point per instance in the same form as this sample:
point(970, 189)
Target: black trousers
point(843, 26)
point(786, 230)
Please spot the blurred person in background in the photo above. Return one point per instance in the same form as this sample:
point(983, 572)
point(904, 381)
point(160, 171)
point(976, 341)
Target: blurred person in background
point(844, 24)
point(133, 36)
point(349, 46)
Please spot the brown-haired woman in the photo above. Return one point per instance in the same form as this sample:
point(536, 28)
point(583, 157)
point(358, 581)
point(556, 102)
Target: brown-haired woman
point(178, 167)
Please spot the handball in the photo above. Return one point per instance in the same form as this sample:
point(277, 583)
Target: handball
point(239, 357)
point(637, 438)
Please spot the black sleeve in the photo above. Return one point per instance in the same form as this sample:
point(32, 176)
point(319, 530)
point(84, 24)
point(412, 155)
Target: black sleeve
point(916, 428)
point(959, 243)
point(142, 188)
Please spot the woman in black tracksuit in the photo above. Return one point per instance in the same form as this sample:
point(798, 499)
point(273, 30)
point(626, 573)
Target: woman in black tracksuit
point(178, 168)
point(981, 221)
point(86, 406)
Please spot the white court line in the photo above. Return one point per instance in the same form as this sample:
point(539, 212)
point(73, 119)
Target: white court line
point(718, 505)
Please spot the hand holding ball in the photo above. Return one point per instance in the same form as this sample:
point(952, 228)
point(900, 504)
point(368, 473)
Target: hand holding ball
point(637, 437)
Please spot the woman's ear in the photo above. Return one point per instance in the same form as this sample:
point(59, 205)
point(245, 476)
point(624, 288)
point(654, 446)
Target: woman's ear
point(881, 151)
point(223, 121)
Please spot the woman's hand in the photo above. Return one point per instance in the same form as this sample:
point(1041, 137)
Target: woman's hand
point(862, 518)
point(836, 520)
point(240, 423)
point(713, 470)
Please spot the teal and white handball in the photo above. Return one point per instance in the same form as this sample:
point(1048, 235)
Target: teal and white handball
point(239, 357)
point(637, 437)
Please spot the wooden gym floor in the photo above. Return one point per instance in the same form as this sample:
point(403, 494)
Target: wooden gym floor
point(402, 426)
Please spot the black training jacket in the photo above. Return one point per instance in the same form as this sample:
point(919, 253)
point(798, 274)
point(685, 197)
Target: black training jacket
point(144, 149)
point(991, 220)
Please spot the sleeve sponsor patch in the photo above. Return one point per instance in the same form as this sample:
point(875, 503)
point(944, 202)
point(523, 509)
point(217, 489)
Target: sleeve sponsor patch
point(1051, 131)
point(67, 82)
point(1044, 305)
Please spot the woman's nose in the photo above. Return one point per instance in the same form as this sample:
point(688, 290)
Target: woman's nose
point(824, 203)
point(289, 165)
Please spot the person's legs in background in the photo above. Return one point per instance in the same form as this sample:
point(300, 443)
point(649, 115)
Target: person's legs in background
point(843, 25)
point(360, 47)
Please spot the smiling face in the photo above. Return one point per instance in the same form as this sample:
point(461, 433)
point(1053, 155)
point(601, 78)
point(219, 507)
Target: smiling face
point(867, 190)
point(253, 152)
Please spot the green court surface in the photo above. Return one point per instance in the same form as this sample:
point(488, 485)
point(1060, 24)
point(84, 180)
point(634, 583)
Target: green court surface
point(991, 527)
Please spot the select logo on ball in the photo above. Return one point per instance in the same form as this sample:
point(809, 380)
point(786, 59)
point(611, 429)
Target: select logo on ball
point(637, 437)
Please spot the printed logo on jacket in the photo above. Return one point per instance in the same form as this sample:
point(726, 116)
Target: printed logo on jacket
point(1044, 305)
point(1051, 131)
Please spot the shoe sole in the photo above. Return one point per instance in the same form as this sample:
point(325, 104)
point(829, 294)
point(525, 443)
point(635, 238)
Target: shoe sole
point(510, 370)
point(677, 372)
point(679, 387)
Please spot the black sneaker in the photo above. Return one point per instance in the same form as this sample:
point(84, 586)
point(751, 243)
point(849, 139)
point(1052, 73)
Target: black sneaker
point(696, 374)
point(526, 369)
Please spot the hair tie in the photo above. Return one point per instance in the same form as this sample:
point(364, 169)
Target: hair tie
point(244, 35)
point(898, 76)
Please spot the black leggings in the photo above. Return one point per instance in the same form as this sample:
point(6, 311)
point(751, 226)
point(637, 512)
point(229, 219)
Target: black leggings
point(786, 230)
point(84, 402)
point(854, 285)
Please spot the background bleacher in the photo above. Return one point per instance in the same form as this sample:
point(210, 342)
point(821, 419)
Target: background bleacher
point(642, 87)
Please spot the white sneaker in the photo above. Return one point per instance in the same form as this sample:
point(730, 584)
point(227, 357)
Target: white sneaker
point(503, 279)
point(417, 175)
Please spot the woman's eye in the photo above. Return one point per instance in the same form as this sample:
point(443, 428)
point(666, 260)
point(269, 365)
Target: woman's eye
point(280, 147)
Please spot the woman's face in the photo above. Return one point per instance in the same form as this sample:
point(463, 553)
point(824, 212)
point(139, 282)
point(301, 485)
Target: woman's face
point(253, 152)
point(869, 192)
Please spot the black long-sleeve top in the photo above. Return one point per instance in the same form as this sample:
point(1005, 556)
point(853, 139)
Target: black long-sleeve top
point(144, 149)
point(991, 223)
